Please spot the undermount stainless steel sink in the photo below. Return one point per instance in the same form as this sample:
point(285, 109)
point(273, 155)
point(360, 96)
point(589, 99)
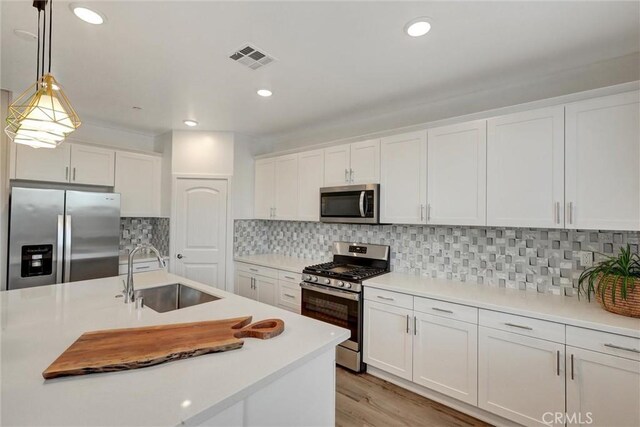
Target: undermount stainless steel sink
point(173, 297)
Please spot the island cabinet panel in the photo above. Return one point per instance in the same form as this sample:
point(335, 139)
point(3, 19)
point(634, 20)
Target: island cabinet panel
point(519, 377)
point(457, 164)
point(388, 342)
point(264, 200)
point(525, 169)
point(310, 180)
point(403, 178)
point(286, 188)
point(445, 356)
point(43, 164)
point(137, 179)
point(603, 163)
point(92, 165)
point(602, 390)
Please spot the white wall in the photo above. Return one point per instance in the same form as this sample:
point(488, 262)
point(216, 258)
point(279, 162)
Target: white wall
point(202, 152)
point(125, 139)
point(243, 177)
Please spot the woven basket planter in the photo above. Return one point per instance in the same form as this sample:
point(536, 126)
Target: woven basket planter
point(629, 307)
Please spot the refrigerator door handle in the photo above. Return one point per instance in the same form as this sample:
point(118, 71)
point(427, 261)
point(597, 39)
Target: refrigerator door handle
point(67, 248)
point(59, 249)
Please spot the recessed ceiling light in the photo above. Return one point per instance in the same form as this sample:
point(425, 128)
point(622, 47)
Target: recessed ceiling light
point(25, 35)
point(418, 27)
point(265, 92)
point(190, 123)
point(87, 15)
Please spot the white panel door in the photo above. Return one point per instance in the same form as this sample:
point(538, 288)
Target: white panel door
point(403, 178)
point(603, 163)
point(245, 285)
point(92, 165)
point(604, 386)
point(265, 181)
point(337, 161)
point(286, 187)
point(201, 229)
point(365, 162)
point(310, 180)
point(43, 164)
point(137, 179)
point(519, 377)
point(525, 169)
point(388, 338)
point(457, 174)
point(267, 290)
point(445, 356)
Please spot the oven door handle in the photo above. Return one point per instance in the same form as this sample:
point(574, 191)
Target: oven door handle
point(340, 294)
point(362, 214)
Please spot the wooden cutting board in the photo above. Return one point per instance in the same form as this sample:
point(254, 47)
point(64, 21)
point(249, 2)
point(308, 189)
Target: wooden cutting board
point(122, 349)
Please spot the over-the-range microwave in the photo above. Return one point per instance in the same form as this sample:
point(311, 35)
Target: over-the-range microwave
point(358, 204)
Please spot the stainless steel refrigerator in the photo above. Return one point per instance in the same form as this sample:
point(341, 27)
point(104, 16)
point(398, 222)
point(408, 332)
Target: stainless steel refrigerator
point(58, 236)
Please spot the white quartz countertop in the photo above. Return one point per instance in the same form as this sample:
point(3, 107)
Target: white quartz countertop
point(138, 258)
point(568, 310)
point(38, 324)
point(279, 262)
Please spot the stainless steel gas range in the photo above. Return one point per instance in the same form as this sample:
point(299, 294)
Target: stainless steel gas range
point(332, 292)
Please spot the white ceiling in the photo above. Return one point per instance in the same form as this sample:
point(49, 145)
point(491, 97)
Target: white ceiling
point(333, 58)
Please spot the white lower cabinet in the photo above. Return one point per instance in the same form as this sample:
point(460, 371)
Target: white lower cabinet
point(388, 339)
point(244, 285)
point(519, 377)
point(267, 290)
point(602, 390)
point(270, 286)
point(445, 356)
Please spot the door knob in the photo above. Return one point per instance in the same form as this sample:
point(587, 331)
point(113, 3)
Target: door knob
point(179, 256)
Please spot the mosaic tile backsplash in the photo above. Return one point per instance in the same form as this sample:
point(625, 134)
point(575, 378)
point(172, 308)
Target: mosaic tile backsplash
point(134, 231)
point(528, 259)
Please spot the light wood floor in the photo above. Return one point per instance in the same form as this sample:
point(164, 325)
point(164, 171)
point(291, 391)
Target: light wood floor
point(364, 400)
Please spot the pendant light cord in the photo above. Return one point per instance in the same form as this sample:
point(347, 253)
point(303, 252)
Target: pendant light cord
point(38, 54)
point(50, 30)
point(44, 38)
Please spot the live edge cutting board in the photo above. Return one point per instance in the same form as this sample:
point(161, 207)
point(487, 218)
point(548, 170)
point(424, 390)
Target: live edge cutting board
point(122, 349)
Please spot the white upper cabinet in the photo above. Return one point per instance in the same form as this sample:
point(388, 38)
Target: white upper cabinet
point(365, 162)
point(138, 180)
point(43, 164)
point(286, 187)
point(525, 169)
point(456, 174)
point(403, 178)
point(603, 163)
point(92, 165)
point(310, 180)
point(265, 173)
point(357, 163)
point(337, 161)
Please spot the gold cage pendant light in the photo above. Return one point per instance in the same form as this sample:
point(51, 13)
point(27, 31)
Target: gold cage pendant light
point(42, 116)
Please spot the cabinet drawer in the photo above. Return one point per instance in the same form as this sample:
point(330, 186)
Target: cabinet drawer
point(289, 296)
point(388, 297)
point(604, 342)
point(256, 269)
point(140, 267)
point(289, 276)
point(446, 309)
point(542, 329)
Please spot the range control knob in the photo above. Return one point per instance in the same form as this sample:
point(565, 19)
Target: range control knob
point(341, 284)
point(347, 285)
point(314, 279)
point(327, 281)
point(307, 277)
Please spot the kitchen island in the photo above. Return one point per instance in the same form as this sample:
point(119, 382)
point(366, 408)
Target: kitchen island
point(287, 380)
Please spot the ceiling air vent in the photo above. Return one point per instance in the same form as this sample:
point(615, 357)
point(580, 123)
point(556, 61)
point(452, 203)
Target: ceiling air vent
point(252, 57)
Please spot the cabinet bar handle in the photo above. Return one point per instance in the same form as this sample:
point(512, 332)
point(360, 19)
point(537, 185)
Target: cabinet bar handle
point(385, 298)
point(66, 173)
point(143, 267)
point(290, 296)
point(572, 366)
point(421, 212)
point(253, 269)
point(74, 174)
point(351, 175)
point(558, 363)
point(442, 310)
point(289, 277)
point(617, 347)
point(570, 212)
point(428, 211)
point(346, 175)
point(415, 325)
point(519, 326)
point(557, 212)
point(407, 323)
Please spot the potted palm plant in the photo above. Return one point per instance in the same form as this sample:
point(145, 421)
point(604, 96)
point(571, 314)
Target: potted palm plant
point(615, 282)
